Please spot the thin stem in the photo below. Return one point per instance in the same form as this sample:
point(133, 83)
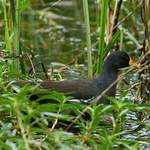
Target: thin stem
point(7, 36)
point(88, 37)
point(103, 22)
point(20, 123)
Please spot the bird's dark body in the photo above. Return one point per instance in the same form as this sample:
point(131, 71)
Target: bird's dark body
point(88, 89)
point(83, 89)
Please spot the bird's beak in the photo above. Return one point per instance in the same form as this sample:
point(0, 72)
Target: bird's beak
point(134, 63)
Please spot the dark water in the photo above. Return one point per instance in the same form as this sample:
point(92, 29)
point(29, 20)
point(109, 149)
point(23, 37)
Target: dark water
point(55, 33)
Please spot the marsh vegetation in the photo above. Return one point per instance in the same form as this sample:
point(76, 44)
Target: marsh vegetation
point(66, 40)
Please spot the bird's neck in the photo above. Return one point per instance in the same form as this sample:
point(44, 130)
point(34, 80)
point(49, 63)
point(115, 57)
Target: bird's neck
point(108, 76)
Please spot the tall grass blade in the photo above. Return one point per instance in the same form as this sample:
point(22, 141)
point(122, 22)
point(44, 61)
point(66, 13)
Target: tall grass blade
point(7, 36)
point(16, 29)
point(111, 43)
point(88, 37)
point(103, 22)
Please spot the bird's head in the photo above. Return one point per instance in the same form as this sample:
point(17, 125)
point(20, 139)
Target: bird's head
point(116, 60)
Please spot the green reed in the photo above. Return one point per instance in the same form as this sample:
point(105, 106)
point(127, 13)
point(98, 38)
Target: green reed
point(7, 34)
point(88, 37)
point(103, 23)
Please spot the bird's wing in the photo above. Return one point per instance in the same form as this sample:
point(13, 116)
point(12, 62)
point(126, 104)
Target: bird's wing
point(81, 89)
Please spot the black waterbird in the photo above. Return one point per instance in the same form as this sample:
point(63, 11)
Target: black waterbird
point(88, 89)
